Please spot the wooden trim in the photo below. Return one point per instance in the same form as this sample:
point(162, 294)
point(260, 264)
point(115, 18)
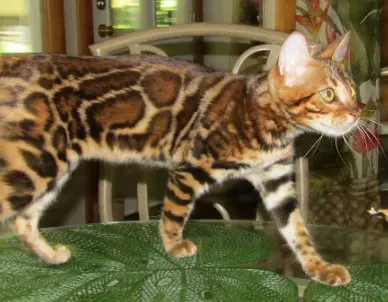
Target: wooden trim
point(84, 16)
point(198, 10)
point(53, 26)
point(279, 15)
point(285, 15)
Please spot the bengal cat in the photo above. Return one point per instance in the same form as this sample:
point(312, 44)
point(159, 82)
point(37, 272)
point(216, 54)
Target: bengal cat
point(205, 127)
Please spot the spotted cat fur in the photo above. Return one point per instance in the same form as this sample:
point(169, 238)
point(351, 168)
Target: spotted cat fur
point(205, 127)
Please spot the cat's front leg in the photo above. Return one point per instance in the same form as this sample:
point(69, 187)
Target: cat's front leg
point(183, 187)
point(279, 195)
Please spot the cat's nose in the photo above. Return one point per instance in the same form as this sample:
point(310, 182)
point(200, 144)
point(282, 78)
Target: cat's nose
point(356, 111)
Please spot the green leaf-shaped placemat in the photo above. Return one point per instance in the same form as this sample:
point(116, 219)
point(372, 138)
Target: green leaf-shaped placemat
point(126, 262)
point(369, 283)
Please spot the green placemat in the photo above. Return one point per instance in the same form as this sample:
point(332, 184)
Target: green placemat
point(126, 262)
point(369, 283)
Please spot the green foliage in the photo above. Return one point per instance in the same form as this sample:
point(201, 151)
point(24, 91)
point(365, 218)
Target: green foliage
point(362, 18)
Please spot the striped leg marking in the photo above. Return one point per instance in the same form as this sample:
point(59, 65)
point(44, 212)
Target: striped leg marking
point(278, 192)
point(184, 186)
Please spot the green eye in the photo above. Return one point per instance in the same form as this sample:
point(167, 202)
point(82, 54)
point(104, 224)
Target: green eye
point(327, 95)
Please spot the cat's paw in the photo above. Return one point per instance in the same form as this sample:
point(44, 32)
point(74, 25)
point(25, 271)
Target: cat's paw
point(61, 255)
point(326, 273)
point(185, 248)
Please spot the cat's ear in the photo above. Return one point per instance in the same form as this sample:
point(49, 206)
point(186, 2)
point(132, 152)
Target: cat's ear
point(340, 52)
point(294, 56)
point(337, 50)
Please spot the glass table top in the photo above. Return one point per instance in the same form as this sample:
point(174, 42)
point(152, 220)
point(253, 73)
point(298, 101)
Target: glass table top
point(238, 260)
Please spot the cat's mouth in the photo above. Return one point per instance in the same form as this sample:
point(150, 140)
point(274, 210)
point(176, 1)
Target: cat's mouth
point(306, 128)
point(335, 130)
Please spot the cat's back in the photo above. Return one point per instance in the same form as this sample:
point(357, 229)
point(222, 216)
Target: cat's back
point(93, 101)
point(34, 66)
point(88, 76)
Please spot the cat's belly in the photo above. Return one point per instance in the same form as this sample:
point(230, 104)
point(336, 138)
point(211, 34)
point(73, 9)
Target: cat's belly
point(247, 163)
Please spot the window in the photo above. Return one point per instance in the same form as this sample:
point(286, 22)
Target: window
point(166, 12)
point(125, 14)
point(18, 34)
point(131, 14)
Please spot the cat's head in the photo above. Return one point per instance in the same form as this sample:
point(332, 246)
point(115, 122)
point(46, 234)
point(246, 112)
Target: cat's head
point(316, 91)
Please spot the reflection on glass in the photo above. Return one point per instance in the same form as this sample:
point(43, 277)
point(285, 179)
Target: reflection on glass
point(15, 36)
point(126, 14)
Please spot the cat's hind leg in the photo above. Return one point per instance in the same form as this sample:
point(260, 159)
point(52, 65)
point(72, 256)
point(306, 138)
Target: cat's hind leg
point(25, 225)
point(28, 184)
point(184, 186)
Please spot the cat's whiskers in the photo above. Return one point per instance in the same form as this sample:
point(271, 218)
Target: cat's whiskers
point(155, 217)
point(316, 148)
point(346, 142)
point(368, 133)
point(364, 135)
point(374, 122)
point(339, 153)
point(315, 145)
point(350, 137)
point(158, 214)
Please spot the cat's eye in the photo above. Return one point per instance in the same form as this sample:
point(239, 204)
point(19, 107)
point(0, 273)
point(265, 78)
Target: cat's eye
point(327, 95)
point(352, 91)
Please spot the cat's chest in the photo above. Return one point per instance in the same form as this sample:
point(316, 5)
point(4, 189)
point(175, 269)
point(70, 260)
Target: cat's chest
point(248, 162)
